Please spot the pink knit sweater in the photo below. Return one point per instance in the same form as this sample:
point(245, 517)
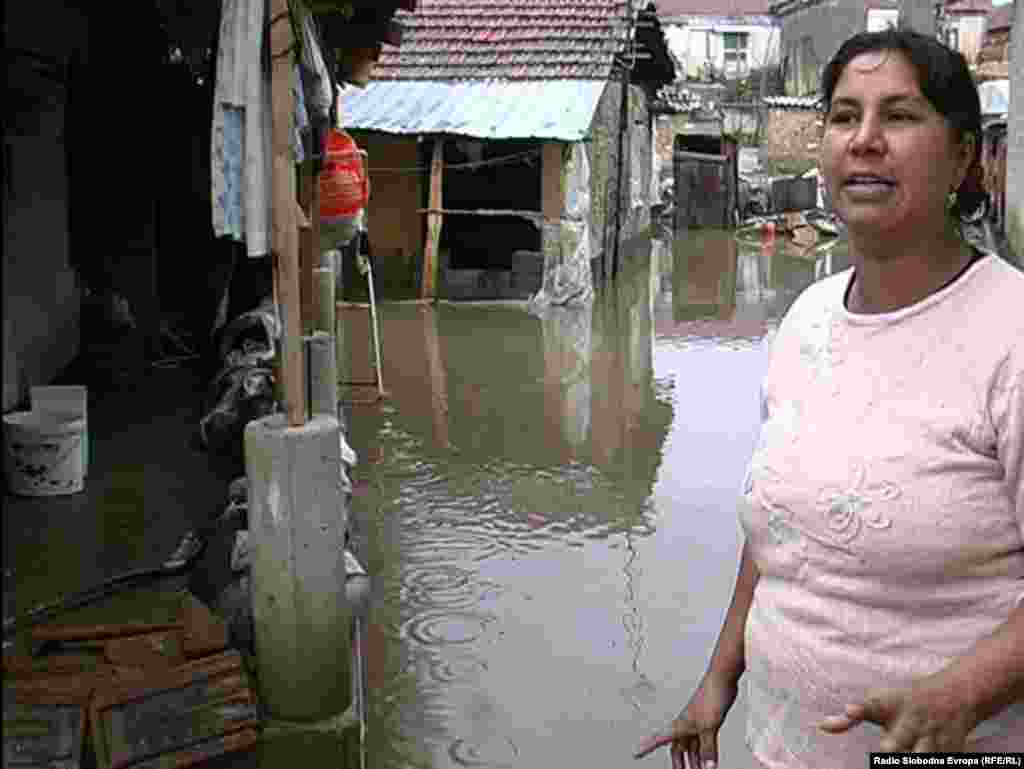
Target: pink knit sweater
point(884, 506)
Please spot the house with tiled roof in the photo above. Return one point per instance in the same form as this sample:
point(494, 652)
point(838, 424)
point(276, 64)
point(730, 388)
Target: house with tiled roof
point(498, 132)
point(813, 30)
point(965, 24)
point(980, 30)
point(720, 38)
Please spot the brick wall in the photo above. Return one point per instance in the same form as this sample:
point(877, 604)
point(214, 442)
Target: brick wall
point(792, 134)
point(1015, 139)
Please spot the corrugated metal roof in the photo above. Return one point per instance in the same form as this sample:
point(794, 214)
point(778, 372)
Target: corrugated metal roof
point(485, 109)
point(798, 102)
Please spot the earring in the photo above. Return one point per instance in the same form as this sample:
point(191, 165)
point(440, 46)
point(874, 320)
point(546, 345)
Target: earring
point(951, 200)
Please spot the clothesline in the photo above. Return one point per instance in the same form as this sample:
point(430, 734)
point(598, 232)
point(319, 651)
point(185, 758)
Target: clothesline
point(472, 164)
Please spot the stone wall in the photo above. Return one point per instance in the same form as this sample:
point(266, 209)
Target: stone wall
point(1015, 140)
point(792, 134)
point(603, 158)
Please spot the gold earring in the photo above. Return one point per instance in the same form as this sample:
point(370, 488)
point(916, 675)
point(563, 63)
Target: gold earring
point(951, 200)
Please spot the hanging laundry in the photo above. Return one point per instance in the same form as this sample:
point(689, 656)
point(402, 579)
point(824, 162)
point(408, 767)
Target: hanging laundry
point(301, 130)
point(318, 86)
point(240, 144)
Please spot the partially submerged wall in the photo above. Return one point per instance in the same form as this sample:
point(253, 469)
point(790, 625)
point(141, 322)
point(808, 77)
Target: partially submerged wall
point(793, 135)
point(633, 201)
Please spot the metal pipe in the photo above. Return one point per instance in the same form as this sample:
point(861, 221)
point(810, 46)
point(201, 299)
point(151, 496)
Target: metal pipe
point(376, 330)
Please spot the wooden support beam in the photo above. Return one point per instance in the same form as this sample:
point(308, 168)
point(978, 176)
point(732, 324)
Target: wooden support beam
point(552, 194)
point(307, 247)
point(434, 221)
point(284, 229)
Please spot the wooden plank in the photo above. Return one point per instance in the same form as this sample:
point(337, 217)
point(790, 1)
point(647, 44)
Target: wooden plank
point(434, 222)
point(284, 230)
point(307, 247)
point(164, 649)
point(203, 751)
point(142, 686)
point(157, 714)
point(205, 633)
point(45, 633)
point(44, 721)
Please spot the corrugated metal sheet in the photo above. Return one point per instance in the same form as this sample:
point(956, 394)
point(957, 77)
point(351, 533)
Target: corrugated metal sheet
point(488, 109)
point(795, 102)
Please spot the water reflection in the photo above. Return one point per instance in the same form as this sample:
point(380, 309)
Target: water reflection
point(548, 505)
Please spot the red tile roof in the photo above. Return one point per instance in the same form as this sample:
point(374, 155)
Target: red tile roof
point(669, 8)
point(508, 39)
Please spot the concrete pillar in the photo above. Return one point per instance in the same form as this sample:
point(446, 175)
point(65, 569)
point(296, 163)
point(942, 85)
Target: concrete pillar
point(1015, 138)
point(322, 375)
point(297, 523)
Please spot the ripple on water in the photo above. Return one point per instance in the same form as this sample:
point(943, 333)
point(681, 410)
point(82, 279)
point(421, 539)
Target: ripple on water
point(442, 628)
point(444, 587)
point(495, 752)
point(446, 543)
point(452, 670)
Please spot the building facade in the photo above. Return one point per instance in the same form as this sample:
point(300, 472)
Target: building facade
point(813, 30)
point(540, 125)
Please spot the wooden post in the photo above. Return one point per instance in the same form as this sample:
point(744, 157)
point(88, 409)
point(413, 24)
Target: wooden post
point(308, 247)
point(438, 376)
point(552, 193)
point(284, 230)
point(552, 203)
point(434, 220)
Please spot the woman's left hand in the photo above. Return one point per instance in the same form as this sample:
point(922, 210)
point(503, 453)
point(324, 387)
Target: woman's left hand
point(921, 718)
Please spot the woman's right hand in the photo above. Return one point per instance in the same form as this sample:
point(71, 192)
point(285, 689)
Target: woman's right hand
point(694, 732)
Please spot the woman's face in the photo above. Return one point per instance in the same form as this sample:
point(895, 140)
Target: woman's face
point(889, 158)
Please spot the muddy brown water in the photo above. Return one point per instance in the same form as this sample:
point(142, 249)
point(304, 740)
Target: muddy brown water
point(547, 506)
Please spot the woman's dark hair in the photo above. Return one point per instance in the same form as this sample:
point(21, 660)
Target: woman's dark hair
point(944, 80)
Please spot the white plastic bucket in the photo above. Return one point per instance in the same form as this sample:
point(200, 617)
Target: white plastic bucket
point(66, 403)
point(43, 454)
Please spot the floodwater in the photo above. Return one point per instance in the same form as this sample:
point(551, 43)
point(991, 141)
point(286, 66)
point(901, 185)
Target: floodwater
point(547, 507)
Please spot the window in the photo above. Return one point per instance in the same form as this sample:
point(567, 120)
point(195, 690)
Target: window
point(880, 18)
point(735, 47)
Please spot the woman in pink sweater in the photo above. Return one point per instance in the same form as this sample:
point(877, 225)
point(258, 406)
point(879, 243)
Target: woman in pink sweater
point(880, 599)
